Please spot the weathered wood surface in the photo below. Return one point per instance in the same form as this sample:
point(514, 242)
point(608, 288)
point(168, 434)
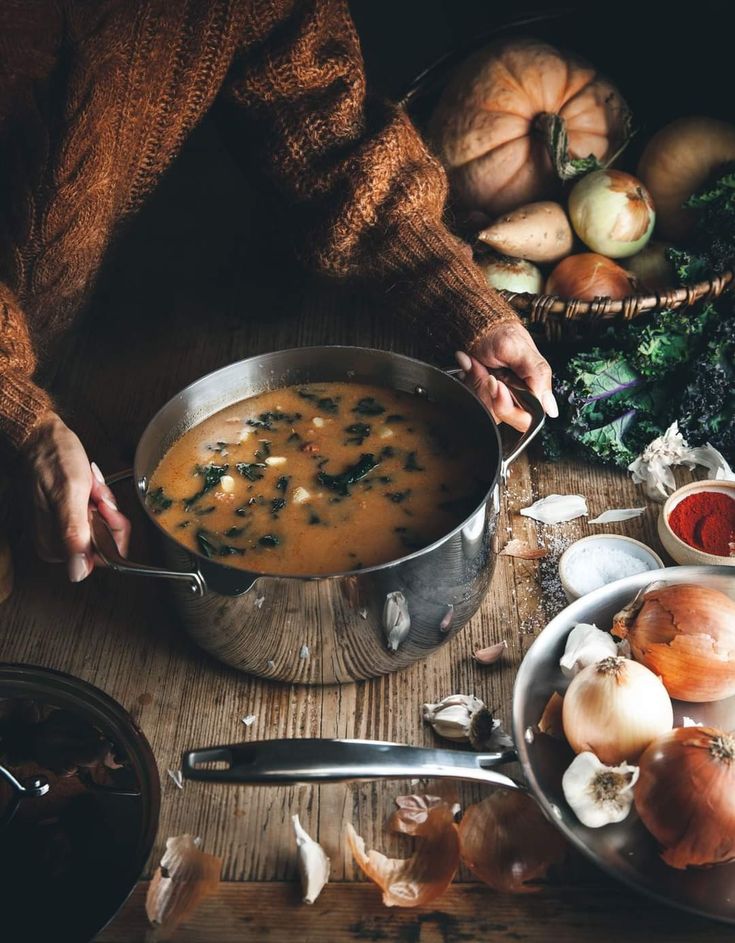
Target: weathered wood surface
point(177, 301)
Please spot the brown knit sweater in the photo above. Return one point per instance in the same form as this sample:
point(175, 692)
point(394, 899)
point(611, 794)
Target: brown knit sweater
point(97, 97)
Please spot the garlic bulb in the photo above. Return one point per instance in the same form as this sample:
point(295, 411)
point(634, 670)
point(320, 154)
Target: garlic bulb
point(313, 863)
point(586, 644)
point(599, 794)
point(614, 709)
point(452, 717)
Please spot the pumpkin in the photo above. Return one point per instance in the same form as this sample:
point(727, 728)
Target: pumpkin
point(677, 162)
point(518, 116)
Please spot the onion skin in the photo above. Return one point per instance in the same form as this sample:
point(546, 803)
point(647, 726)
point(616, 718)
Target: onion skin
point(685, 633)
point(588, 276)
point(507, 842)
point(685, 796)
point(603, 710)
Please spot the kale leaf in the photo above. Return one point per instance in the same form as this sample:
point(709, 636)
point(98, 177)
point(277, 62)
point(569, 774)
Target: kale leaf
point(212, 475)
point(341, 483)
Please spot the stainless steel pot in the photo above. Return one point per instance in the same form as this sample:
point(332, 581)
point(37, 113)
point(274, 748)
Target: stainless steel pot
point(626, 850)
point(347, 626)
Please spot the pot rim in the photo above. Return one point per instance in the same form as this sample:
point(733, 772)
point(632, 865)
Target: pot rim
point(141, 481)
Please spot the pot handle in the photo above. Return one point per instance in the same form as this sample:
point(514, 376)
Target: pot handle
point(105, 547)
point(270, 762)
point(532, 405)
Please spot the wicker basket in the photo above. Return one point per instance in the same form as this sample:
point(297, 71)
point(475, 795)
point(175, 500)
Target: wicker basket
point(549, 315)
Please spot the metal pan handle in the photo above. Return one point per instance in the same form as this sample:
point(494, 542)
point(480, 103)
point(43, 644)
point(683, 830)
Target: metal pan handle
point(271, 762)
point(105, 547)
point(527, 401)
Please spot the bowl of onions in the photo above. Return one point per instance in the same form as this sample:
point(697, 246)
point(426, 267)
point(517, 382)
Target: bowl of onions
point(633, 688)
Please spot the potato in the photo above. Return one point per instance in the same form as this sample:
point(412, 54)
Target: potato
point(539, 232)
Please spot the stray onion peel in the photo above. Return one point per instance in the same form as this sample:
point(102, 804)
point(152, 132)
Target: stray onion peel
point(185, 877)
point(507, 842)
point(420, 879)
point(686, 634)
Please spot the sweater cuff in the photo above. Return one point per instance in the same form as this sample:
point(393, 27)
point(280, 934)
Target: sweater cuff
point(22, 404)
point(453, 301)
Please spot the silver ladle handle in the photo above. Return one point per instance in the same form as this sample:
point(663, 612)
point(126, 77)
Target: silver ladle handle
point(271, 762)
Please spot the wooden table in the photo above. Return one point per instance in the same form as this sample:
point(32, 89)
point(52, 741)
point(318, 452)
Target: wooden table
point(176, 302)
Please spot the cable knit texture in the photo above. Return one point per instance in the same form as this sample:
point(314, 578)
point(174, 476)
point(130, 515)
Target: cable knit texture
point(98, 96)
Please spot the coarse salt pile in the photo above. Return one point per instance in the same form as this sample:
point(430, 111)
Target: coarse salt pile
point(594, 565)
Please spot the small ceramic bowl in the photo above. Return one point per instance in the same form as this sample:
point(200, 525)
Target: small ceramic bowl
point(675, 546)
point(573, 552)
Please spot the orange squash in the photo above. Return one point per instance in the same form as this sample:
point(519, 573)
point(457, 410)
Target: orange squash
point(518, 116)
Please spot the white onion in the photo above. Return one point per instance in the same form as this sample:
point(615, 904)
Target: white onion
point(513, 275)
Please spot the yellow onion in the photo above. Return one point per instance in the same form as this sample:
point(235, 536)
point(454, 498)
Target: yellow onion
point(685, 795)
point(507, 842)
point(686, 634)
point(588, 276)
point(651, 268)
point(612, 213)
point(614, 709)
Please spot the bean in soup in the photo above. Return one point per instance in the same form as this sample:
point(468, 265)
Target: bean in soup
point(319, 479)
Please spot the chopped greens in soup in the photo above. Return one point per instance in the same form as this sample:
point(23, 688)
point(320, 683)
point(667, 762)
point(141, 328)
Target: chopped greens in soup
point(318, 479)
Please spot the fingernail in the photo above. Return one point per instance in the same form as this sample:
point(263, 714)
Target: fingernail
point(97, 473)
point(549, 404)
point(463, 361)
point(492, 386)
point(78, 567)
point(110, 504)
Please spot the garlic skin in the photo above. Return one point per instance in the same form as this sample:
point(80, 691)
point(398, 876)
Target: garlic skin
point(586, 644)
point(452, 717)
point(599, 795)
point(314, 864)
point(557, 508)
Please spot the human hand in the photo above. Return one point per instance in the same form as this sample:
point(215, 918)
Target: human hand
point(508, 348)
point(63, 483)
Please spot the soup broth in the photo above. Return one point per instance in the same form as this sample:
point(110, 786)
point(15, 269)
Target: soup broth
point(318, 479)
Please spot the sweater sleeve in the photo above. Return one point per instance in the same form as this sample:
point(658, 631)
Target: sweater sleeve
point(366, 195)
point(22, 403)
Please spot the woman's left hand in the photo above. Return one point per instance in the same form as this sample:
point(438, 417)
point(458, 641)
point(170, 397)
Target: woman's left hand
point(508, 347)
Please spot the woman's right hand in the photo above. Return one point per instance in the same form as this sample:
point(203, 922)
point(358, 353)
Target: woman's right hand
point(62, 484)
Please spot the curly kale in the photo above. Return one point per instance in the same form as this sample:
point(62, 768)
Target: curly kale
point(616, 398)
point(712, 249)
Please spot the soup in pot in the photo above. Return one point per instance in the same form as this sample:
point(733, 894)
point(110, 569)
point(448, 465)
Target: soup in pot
point(319, 479)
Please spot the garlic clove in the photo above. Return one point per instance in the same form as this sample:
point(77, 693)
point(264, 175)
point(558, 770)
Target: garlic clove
point(227, 483)
point(557, 508)
point(491, 654)
point(185, 876)
point(452, 716)
point(313, 862)
point(420, 879)
point(396, 619)
point(276, 460)
point(586, 645)
point(598, 794)
point(300, 495)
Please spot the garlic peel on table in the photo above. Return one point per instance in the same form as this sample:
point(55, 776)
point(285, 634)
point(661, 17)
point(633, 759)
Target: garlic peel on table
point(557, 508)
point(185, 876)
point(599, 794)
point(314, 865)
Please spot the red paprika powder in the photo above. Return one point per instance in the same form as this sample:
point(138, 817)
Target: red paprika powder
point(706, 521)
